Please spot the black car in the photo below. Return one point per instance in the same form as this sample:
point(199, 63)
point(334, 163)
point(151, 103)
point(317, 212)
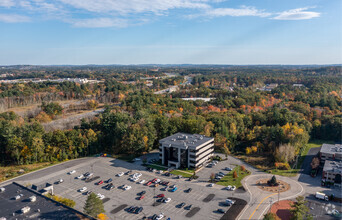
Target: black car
point(138, 210)
point(86, 174)
point(109, 180)
point(141, 193)
point(181, 205)
point(188, 190)
point(130, 209)
point(154, 216)
point(188, 207)
point(221, 211)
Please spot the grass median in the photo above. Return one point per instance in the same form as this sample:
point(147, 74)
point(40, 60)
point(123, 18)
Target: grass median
point(230, 180)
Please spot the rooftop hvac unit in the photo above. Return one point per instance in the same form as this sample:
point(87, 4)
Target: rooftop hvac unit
point(16, 197)
point(2, 189)
point(33, 198)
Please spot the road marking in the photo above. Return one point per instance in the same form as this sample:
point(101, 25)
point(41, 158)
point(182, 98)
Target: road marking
point(250, 217)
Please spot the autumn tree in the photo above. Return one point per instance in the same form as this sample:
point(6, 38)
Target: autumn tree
point(235, 175)
point(315, 163)
point(92, 104)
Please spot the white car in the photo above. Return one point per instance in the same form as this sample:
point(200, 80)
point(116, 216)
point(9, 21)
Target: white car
point(233, 188)
point(83, 189)
point(120, 174)
point(100, 196)
point(158, 181)
point(160, 216)
point(71, 172)
point(142, 181)
point(160, 172)
point(80, 176)
point(127, 188)
point(135, 179)
point(167, 200)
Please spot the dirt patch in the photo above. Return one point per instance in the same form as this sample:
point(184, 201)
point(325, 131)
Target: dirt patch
point(118, 209)
point(209, 198)
point(92, 179)
point(282, 187)
point(192, 212)
point(282, 209)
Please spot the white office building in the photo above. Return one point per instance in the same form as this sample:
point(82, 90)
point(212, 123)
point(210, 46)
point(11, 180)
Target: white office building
point(183, 150)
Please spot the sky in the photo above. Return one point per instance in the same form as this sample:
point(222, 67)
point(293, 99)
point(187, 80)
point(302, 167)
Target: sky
point(240, 32)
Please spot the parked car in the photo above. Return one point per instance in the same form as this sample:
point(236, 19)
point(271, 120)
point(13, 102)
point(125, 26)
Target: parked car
point(142, 181)
point(138, 210)
point(220, 211)
point(160, 216)
point(120, 174)
point(141, 193)
point(127, 188)
point(228, 169)
point(228, 187)
point(188, 207)
point(72, 172)
point(160, 195)
point(60, 181)
point(233, 188)
point(88, 192)
point(188, 190)
point(174, 189)
point(210, 185)
point(149, 183)
point(167, 200)
point(100, 182)
point(80, 176)
point(141, 197)
point(83, 189)
point(181, 205)
point(109, 180)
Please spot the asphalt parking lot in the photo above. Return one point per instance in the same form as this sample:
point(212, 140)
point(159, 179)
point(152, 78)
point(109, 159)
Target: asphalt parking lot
point(117, 200)
point(322, 209)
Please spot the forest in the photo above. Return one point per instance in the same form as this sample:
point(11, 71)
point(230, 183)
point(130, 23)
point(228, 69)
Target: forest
point(244, 119)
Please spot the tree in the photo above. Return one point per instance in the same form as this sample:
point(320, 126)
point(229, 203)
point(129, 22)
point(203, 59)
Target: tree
point(212, 177)
point(270, 216)
point(299, 210)
point(272, 181)
point(285, 153)
point(315, 163)
point(243, 168)
point(235, 174)
point(102, 216)
point(93, 205)
point(15, 146)
point(92, 104)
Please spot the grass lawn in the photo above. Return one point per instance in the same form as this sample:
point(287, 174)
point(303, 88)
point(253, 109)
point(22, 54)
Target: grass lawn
point(12, 171)
point(229, 180)
point(180, 172)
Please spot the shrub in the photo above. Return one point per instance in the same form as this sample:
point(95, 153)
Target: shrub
point(282, 166)
point(235, 174)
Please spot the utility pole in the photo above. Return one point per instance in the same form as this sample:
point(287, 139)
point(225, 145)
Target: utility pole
point(278, 193)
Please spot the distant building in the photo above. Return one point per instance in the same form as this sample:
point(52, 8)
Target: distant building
point(186, 150)
point(195, 99)
point(332, 172)
point(269, 87)
point(298, 85)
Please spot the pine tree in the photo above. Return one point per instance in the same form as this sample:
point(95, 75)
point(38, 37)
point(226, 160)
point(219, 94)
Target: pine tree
point(93, 205)
point(300, 211)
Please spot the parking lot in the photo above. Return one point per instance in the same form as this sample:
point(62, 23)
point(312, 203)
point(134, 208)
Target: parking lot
point(204, 200)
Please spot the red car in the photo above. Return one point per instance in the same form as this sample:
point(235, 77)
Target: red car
point(100, 182)
point(149, 183)
point(141, 197)
point(160, 195)
point(154, 180)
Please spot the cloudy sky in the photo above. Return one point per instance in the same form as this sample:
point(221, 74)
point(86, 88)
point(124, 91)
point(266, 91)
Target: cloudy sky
point(170, 32)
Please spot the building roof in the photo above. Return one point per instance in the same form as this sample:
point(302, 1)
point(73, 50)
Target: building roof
point(332, 149)
point(42, 208)
point(187, 140)
point(333, 166)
